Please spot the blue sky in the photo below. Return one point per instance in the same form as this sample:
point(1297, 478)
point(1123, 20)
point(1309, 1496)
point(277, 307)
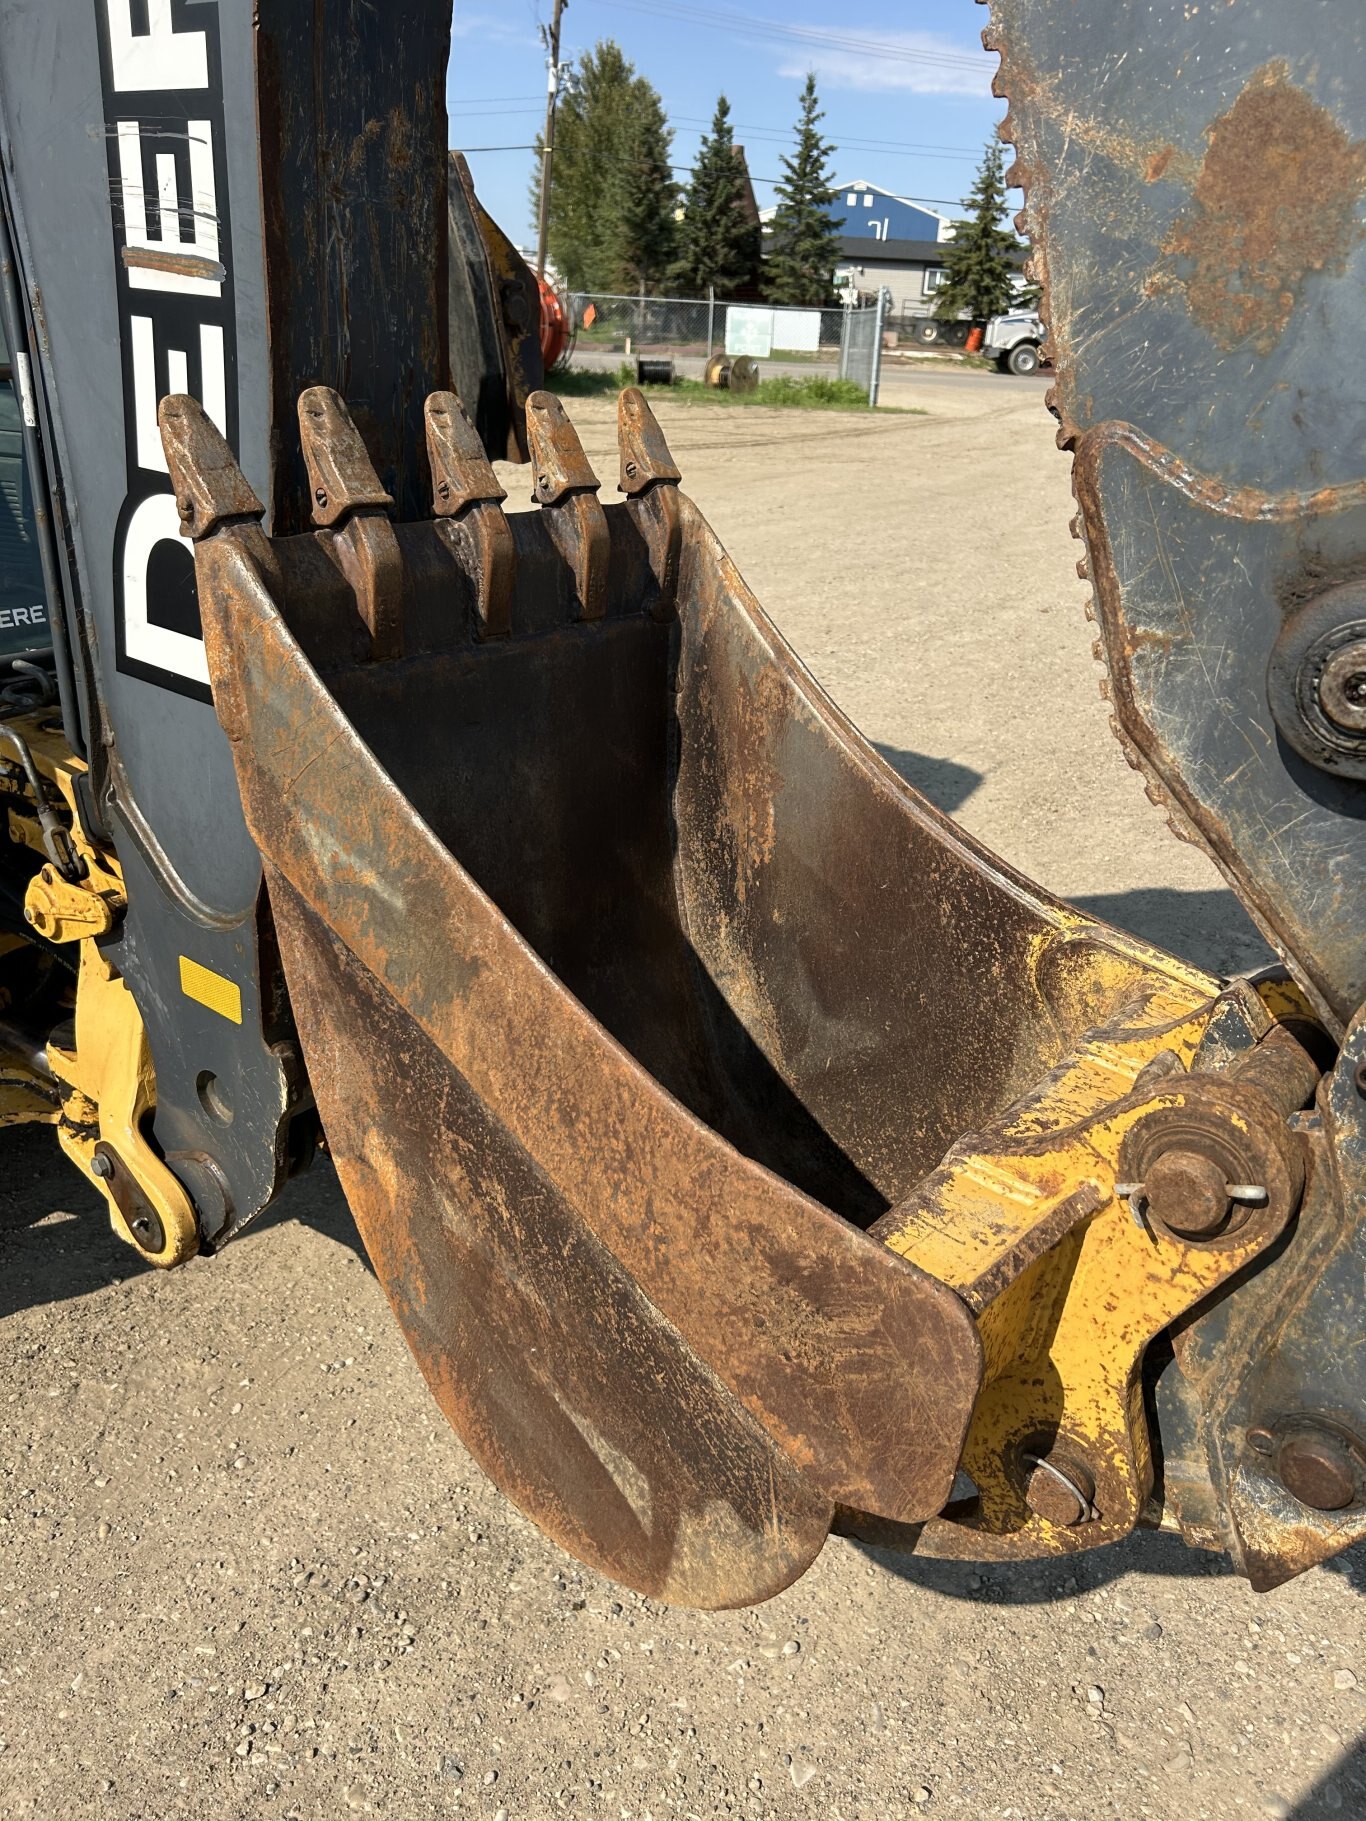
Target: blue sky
point(906, 88)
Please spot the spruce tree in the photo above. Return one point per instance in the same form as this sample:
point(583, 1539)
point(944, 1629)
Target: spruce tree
point(977, 261)
point(649, 199)
point(718, 243)
point(610, 135)
point(805, 237)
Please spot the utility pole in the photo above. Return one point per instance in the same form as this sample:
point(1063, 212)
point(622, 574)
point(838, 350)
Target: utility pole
point(552, 64)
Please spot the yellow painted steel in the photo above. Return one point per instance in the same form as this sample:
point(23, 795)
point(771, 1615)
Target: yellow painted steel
point(62, 911)
point(1068, 1287)
point(106, 1080)
point(972, 1216)
point(110, 1090)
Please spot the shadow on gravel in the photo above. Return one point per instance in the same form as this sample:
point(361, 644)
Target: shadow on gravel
point(1209, 928)
point(947, 785)
point(56, 1242)
point(1042, 1583)
point(1156, 1552)
point(1339, 1792)
point(1351, 1565)
point(316, 1200)
point(55, 1239)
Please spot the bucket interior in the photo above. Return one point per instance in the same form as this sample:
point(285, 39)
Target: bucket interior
point(791, 941)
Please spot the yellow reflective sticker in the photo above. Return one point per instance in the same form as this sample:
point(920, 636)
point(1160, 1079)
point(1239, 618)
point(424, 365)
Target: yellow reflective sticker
point(219, 994)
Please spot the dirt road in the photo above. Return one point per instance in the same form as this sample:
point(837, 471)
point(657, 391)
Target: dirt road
point(246, 1570)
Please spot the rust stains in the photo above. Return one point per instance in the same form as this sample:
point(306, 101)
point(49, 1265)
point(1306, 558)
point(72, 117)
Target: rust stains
point(1156, 167)
point(1276, 199)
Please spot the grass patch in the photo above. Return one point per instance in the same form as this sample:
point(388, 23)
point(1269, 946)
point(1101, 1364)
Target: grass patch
point(812, 391)
point(805, 392)
point(586, 382)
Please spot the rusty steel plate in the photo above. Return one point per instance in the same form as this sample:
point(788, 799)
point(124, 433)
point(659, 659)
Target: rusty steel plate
point(1195, 184)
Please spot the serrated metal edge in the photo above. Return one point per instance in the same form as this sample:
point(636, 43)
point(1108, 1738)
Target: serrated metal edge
point(995, 40)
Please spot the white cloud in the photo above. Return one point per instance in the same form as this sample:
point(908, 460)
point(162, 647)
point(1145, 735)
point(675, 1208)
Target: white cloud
point(905, 61)
point(488, 28)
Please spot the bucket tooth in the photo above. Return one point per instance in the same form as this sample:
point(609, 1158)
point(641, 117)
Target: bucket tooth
point(649, 479)
point(351, 506)
point(467, 504)
point(218, 508)
point(567, 487)
point(210, 488)
point(645, 456)
point(341, 475)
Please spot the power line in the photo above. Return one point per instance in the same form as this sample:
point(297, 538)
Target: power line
point(470, 113)
point(747, 24)
point(776, 135)
point(892, 148)
point(867, 145)
point(946, 202)
point(773, 133)
point(481, 101)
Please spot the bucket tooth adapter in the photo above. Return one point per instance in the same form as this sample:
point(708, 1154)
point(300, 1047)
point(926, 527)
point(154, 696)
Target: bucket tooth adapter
point(646, 1008)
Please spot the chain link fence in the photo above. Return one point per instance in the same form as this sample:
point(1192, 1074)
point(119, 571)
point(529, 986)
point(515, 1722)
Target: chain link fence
point(842, 342)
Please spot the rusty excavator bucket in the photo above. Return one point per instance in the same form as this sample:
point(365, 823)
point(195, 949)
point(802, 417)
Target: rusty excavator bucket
point(736, 1140)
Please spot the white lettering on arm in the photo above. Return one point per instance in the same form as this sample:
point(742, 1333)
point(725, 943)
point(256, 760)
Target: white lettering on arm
point(154, 520)
point(159, 58)
point(199, 214)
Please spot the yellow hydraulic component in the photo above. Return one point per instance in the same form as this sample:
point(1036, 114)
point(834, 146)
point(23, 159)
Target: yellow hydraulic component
point(1069, 1283)
point(21, 1102)
point(64, 911)
point(106, 1081)
point(111, 1088)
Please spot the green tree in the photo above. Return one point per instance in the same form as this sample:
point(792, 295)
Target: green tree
point(805, 237)
point(649, 199)
point(611, 211)
point(978, 262)
point(718, 239)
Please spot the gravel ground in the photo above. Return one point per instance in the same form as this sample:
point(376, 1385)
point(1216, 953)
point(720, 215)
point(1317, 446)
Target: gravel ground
point(247, 1571)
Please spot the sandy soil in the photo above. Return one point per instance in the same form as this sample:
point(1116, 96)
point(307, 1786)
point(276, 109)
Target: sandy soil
point(245, 1570)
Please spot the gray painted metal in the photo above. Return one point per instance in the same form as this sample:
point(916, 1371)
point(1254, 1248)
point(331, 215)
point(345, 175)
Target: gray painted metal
point(168, 791)
point(1199, 220)
point(1199, 224)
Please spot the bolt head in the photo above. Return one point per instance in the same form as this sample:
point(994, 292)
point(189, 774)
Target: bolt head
point(1342, 687)
point(101, 1166)
point(1187, 1194)
point(1316, 1465)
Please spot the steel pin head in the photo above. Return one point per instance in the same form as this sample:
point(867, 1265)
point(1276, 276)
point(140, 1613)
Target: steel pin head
point(1060, 1489)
